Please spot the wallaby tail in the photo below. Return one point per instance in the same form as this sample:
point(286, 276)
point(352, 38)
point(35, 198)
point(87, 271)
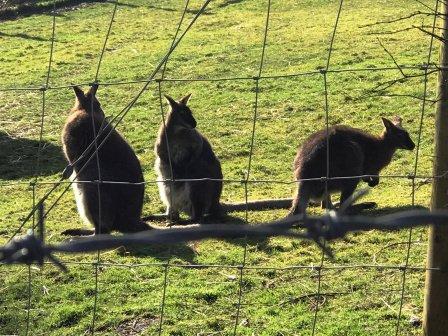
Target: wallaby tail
point(155, 218)
point(78, 232)
point(139, 226)
point(358, 207)
point(265, 204)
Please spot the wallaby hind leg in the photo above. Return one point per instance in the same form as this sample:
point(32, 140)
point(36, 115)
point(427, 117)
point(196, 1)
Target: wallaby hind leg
point(172, 214)
point(106, 223)
point(348, 191)
point(216, 210)
point(197, 212)
point(300, 202)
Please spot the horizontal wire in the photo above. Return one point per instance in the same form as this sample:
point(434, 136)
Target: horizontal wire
point(247, 267)
point(240, 181)
point(37, 87)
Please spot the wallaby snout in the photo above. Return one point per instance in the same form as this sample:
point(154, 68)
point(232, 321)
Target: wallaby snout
point(410, 145)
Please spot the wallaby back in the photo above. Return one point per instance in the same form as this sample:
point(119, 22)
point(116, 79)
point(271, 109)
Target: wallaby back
point(352, 152)
point(106, 206)
point(182, 152)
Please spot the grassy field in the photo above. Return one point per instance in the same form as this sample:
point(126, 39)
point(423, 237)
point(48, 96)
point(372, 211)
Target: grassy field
point(225, 42)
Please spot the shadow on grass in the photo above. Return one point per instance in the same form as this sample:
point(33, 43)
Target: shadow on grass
point(229, 3)
point(242, 242)
point(189, 11)
point(263, 244)
point(35, 7)
point(390, 210)
point(183, 251)
point(18, 158)
point(162, 252)
point(25, 36)
point(28, 8)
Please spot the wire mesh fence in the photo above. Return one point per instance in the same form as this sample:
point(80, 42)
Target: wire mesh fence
point(324, 228)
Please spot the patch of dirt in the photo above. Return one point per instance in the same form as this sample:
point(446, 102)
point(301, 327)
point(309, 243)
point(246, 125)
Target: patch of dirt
point(135, 326)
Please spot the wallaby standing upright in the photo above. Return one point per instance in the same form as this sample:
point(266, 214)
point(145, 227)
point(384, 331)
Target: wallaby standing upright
point(191, 157)
point(352, 152)
point(121, 204)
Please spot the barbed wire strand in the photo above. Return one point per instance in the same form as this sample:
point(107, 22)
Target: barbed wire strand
point(29, 249)
point(415, 168)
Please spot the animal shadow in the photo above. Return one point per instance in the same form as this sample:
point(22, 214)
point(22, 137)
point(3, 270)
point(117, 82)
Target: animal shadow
point(186, 251)
point(262, 243)
point(228, 219)
point(183, 251)
point(162, 252)
point(391, 210)
point(19, 158)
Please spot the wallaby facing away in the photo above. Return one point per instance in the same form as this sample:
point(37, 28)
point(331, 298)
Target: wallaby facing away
point(121, 204)
point(191, 157)
point(352, 152)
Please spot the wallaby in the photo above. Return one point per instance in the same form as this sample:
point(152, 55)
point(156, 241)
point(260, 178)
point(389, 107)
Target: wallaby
point(352, 152)
point(191, 157)
point(120, 204)
point(186, 146)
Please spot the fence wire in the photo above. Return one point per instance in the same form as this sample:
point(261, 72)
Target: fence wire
point(30, 249)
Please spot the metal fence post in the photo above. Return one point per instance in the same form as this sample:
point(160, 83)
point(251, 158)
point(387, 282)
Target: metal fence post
point(436, 287)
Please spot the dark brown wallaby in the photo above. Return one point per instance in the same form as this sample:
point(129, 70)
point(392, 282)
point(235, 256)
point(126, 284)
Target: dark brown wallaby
point(121, 204)
point(352, 152)
point(191, 157)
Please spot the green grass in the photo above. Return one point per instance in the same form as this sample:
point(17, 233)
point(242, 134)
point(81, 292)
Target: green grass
point(225, 42)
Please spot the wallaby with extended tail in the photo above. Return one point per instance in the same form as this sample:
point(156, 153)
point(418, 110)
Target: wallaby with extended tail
point(182, 152)
point(352, 152)
point(120, 204)
point(191, 157)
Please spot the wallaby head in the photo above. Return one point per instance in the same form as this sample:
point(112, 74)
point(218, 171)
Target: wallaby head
point(87, 101)
point(396, 135)
point(180, 114)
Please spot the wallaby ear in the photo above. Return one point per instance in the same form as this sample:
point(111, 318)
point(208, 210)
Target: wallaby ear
point(387, 123)
point(93, 89)
point(171, 101)
point(397, 121)
point(185, 99)
point(79, 93)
